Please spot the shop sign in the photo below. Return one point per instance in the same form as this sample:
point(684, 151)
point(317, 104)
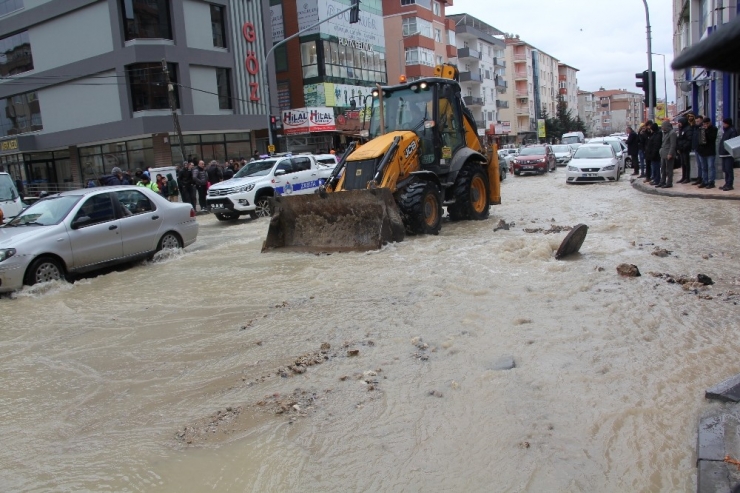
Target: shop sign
point(251, 61)
point(505, 127)
point(278, 28)
point(368, 31)
point(359, 45)
point(307, 120)
point(335, 95)
point(9, 145)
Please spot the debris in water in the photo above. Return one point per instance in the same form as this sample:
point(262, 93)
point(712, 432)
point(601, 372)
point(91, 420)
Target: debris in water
point(732, 461)
point(525, 444)
point(436, 393)
point(572, 241)
point(503, 225)
point(704, 279)
point(353, 352)
point(504, 363)
point(628, 270)
point(661, 252)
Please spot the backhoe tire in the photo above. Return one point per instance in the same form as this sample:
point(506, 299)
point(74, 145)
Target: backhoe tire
point(421, 208)
point(471, 194)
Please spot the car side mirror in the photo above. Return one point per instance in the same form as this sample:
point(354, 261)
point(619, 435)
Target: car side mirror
point(279, 172)
point(80, 221)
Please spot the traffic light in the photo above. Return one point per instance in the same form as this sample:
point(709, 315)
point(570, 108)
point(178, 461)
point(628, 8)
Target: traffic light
point(273, 123)
point(644, 84)
point(354, 14)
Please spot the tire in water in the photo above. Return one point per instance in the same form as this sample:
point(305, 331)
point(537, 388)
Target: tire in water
point(471, 194)
point(421, 208)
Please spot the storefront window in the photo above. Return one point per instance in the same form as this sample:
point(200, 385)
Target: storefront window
point(213, 146)
point(97, 161)
point(345, 61)
point(149, 19)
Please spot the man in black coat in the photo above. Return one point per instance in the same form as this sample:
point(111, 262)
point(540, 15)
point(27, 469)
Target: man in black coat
point(643, 136)
point(684, 141)
point(652, 153)
point(708, 153)
point(728, 161)
point(633, 149)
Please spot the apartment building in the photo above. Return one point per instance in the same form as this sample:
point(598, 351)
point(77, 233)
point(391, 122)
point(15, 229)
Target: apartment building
point(83, 87)
point(419, 37)
point(533, 77)
point(481, 61)
point(587, 110)
point(568, 87)
point(616, 109)
point(705, 92)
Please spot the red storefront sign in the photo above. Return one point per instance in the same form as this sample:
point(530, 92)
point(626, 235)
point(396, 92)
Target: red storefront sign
point(251, 62)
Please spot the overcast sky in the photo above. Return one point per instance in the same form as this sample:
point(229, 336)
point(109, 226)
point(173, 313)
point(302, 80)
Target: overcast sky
point(604, 39)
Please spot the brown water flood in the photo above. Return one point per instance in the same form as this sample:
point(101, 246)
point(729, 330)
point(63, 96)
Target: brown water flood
point(105, 381)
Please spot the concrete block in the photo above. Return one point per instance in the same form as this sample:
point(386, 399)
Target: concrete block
point(712, 477)
point(711, 439)
point(728, 390)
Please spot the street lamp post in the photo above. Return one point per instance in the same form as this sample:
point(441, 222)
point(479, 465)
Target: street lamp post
point(651, 102)
point(402, 52)
point(665, 84)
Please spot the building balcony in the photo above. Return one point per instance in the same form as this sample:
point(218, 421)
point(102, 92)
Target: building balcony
point(502, 104)
point(522, 110)
point(470, 77)
point(480, 124)
point(563, 91)
point(520, 75)
point(499, 62)
point(522, 94)
point(520, 57)
point(562, 78)
point(473, 101)
point(500, 82)
point(469, 54)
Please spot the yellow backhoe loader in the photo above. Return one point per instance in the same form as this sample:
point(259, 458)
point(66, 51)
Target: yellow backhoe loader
point(423, 154)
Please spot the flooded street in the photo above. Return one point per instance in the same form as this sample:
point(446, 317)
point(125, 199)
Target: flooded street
point(182, 374)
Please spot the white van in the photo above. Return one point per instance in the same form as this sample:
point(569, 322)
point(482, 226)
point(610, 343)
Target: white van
point(573, 138)
point(10, 200)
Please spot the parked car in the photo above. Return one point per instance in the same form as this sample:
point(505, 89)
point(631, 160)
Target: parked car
point(593, 162)
point(10, 199)
point(326, 159)
point(620, 149)
point(85, 230)
point(563, 153)
point(573, 138)
point(534, 159)
point(251, 189)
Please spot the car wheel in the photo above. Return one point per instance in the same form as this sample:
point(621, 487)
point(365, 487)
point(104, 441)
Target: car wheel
point(263, 207)
point(221, 216)
point(517, 173)
point(44, 269)
point(169, 241)
point(421, 207)
point(253, 215)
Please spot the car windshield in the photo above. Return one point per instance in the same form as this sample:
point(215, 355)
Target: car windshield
point(532, 151)
point(403, 110)
point(563, 148)
point(571, 139)
point(7, 188)
point(593, 152)
point(616, 145)
point(46, 212)
point(256, 168)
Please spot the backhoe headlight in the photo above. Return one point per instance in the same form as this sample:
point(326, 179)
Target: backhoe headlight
point(6, 253)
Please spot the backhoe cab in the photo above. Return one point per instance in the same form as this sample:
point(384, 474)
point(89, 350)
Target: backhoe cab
point(423, 154)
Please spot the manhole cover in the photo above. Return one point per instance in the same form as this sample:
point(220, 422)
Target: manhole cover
point(573, 241)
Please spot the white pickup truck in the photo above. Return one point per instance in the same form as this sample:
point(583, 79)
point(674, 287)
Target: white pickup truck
point(251, 188)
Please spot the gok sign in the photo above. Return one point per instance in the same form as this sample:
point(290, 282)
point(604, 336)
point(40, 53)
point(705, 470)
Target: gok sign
point(251, 62)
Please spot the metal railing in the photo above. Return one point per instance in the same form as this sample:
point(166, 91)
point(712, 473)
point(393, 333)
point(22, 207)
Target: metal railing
point(473, 101)
point(470, 77)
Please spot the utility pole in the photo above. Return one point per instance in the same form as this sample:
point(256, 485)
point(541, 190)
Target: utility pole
point(651, 100)
point(173, 109)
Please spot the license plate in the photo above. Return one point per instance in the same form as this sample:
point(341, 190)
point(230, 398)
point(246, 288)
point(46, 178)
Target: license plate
point(527, 167)
point(590, 175)
point(217, 206)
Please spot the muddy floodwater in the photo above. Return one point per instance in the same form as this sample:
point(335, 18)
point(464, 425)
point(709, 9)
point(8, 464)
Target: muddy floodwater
point(223, 369)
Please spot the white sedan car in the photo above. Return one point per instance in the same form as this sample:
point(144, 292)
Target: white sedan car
point(593, 163)
point(84, 230)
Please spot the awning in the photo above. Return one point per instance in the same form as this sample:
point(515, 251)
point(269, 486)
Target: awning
point(719, 51)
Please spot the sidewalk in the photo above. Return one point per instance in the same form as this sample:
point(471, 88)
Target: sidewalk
point(686, 190)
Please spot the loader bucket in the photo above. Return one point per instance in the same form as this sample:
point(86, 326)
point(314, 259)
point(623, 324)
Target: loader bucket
point(355, 220)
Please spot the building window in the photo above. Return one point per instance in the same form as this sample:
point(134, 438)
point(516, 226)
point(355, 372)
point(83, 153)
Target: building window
point(100, 160)
point(342, 60)
point(416, 25)
point(438, 35)
point(212, 146)
point(15, 54)
point(436, 8)
point(148, 88)
point(440, 60)
point(223, 82)
point(20, 114)
point(218, 27)
point(8, 6)
point(147, 19)
point(419, 56)
point(309, 60)
point(427, 4)
point(451, 38)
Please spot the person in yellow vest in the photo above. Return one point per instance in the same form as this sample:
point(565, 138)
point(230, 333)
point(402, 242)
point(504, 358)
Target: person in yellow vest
point(146, 183)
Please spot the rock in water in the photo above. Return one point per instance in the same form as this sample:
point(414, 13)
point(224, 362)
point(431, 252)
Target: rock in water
point(704, 279)
point(504, 363)
point(628, 270)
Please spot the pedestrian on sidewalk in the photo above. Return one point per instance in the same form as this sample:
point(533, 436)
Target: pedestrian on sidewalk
point(667, 155)
point(200, 177)
point(652, 153)
point(633, 150)
point(683, 143)
point(185, 182)
point(708, 152)
point(698, 138)
point(643, 137)
point(728, 162)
